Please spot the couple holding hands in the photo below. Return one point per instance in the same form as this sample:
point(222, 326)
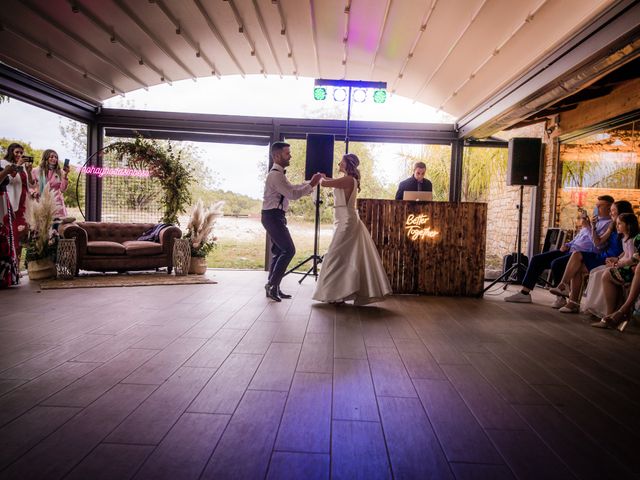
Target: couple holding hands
point(351, 268)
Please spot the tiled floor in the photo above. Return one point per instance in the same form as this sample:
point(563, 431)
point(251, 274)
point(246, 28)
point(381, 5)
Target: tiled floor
point(214, 381)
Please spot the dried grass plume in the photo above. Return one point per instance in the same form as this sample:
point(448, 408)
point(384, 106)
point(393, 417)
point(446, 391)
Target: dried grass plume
point(201, 223)
point(40, 215)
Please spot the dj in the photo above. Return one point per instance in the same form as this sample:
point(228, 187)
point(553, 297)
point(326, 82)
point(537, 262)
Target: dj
point(416, 182)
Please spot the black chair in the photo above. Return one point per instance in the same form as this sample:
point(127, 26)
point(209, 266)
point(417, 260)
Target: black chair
point(553, 240)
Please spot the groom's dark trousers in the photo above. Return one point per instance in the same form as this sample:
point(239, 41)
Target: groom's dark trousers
point(282, 247)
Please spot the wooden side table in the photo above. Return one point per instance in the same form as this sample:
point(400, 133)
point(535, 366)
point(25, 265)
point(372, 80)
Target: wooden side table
point(181, 256)
point(66, 258)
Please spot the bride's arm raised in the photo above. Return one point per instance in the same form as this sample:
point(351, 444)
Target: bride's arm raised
point(345, 182)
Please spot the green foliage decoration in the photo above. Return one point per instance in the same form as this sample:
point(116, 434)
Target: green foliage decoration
point(164, 165)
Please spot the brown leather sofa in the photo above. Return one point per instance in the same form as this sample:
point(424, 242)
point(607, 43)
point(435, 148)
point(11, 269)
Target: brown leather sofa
point(107, 247)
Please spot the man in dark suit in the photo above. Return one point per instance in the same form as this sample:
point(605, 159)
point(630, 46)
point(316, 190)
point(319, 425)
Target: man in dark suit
point(416, 182)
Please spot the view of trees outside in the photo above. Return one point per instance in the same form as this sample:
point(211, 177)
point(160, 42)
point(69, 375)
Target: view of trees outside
point(240, 236)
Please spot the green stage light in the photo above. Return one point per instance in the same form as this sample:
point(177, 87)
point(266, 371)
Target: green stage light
point(380, 96)
point(319, 93)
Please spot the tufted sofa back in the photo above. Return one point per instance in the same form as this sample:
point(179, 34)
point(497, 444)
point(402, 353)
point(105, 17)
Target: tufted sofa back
point(114, 232)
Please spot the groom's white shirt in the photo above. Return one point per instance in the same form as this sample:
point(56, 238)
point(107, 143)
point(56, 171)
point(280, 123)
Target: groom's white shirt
point(277, 185)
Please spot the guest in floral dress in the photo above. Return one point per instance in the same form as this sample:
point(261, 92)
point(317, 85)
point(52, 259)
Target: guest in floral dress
point(50, 173)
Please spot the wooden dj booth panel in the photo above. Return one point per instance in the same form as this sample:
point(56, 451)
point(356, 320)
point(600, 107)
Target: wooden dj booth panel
point(432, 248)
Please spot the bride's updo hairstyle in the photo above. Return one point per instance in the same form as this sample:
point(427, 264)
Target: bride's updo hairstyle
point(352, 162)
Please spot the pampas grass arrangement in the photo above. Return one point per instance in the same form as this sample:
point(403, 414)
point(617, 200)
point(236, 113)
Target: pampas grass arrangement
point(200, 228)
point(42, 237)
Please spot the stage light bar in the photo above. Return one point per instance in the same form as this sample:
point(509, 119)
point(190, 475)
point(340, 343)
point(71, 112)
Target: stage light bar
point(319, 93)
point(324, 82)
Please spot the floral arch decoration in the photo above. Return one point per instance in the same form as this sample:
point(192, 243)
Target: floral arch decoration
point(148, 158)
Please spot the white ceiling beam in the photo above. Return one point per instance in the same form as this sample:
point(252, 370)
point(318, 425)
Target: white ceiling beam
point(242, 28)
point(380, 35)
point(142, 26)
point(314, 34)
point(76, 7)
point(423, 27)
point(218, 35)
point(78, 40)
point(495, 52)
point(345, 37)
point(188, 40)
point(450, 51)
point(284, 31)
point(49, 53)
point(42, 75)
point(265, 33)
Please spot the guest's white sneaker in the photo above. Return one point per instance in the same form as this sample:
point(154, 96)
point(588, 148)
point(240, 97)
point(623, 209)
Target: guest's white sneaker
point(518, 298)
point(559, 303)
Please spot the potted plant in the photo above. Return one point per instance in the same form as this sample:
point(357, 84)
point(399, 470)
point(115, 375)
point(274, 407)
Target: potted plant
point(43, 239)
point(200, 234)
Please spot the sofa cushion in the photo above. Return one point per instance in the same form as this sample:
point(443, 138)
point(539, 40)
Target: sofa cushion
point(136, 248)
point(105, 248)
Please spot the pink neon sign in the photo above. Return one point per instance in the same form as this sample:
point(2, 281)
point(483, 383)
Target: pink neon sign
point(114, 172)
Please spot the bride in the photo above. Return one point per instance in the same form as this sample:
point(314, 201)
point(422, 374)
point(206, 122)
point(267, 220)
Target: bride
point(351, 269)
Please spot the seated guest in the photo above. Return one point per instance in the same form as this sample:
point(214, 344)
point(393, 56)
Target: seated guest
point(627, 228)
point(416, 182)
point(612, 288)
point(557, 259)
point(582, 263)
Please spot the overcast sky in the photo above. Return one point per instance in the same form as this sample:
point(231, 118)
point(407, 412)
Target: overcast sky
point(233, 95)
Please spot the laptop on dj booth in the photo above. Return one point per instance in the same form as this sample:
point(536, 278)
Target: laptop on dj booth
point(418, 196)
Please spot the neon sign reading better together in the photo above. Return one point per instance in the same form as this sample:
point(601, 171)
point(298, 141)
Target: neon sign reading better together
point(417, 227)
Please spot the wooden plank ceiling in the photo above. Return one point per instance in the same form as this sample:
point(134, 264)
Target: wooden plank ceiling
point(450, 54)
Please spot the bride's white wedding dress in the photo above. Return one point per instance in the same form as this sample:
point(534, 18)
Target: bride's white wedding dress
point(351, 269)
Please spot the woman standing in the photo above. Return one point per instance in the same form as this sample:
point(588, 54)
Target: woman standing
point(351, 269)
point(17, 193)
point(9, 273)
point(50, 173)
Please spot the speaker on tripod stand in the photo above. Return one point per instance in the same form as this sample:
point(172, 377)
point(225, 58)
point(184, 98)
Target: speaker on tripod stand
point(523, 168)
point(319, 159)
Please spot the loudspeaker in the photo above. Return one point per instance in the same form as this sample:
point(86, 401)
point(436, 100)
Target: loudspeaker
point(319, 155)
point(523, 167)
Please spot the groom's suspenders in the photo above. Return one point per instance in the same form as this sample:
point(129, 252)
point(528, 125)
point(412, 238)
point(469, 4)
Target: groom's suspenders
point(281, 202)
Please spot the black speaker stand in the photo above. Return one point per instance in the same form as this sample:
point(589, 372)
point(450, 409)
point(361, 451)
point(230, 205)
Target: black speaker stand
point(314, 258)
point(518, 265)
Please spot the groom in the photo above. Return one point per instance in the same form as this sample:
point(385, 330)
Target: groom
point(277, 193)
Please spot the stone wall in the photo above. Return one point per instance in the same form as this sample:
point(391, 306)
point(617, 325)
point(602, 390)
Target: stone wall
point(502, 214)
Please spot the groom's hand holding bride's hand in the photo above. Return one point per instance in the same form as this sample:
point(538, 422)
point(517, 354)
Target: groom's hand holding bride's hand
point(315, 179)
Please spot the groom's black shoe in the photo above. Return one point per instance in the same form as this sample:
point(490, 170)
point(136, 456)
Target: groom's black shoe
point(281, 294)
point(272, 292)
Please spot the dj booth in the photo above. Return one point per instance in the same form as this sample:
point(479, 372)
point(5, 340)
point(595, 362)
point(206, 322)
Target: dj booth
point(433, 248)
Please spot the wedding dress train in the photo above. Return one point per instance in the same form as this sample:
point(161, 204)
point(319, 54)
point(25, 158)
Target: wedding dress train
point(351, 268)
